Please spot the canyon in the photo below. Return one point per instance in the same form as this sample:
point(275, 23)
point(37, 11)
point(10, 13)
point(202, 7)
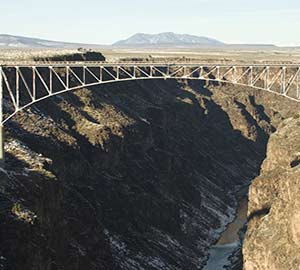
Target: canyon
point(147, 175)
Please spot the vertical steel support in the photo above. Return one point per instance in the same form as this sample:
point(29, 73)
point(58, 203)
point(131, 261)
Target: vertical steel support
point(201, 72)
point(101, 73)
point(267, 76)
point(184, 71)
point(2, 155)
point(33, 84)
point(17, 88)
point(218, 73)
point(84, 74)
point(118, 72)
point(51, 79)
point(168, 70)
point(297, 83)
point(1, 121)
point(68, 77)
point(251, 76)
point(283, 78)
point(234, 74)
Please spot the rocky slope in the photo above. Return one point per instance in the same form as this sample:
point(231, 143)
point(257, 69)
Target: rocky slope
point(272, 240)
point(136, 175)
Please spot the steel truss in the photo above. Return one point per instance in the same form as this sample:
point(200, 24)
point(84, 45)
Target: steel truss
point(23, 85)
point(26, 84)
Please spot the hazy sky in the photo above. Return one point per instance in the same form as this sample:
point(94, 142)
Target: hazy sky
point(103, 22)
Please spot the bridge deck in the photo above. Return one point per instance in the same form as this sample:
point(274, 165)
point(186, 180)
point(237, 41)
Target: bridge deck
point(141, 64)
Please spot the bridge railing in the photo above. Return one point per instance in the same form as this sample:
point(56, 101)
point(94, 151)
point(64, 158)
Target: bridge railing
point(28, 63)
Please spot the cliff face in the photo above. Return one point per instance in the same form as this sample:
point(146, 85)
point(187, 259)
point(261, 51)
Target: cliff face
point(137, 175)
point(272, 240)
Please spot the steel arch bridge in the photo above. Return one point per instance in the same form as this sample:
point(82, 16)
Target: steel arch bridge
point(22, 85)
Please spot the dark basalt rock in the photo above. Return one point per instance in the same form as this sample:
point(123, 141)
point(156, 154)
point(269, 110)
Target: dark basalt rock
point(82, 56)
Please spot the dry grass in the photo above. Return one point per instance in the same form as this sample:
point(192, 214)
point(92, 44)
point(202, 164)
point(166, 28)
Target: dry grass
point(30, 54)
point(282, 55)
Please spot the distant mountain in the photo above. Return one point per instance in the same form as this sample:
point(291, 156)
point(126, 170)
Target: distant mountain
point(11, 41)
point(168, 39)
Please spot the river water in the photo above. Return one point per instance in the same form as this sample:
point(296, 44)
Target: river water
point(229, 240)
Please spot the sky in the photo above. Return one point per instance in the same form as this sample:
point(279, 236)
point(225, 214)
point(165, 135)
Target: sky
point(104, 22)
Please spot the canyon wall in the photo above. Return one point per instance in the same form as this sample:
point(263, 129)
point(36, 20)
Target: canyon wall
point(272, 240)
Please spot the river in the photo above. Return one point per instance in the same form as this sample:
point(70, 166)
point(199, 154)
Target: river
point(229, 240)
